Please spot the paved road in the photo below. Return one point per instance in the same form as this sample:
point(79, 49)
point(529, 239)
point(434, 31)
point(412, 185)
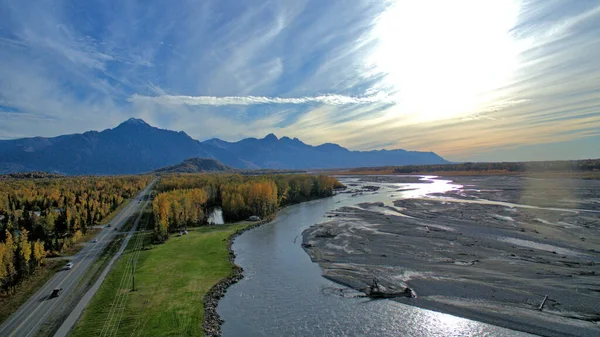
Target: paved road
point(73, 317)
point(36, 311)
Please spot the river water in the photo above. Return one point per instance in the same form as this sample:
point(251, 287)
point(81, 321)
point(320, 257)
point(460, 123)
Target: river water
point(284, 294)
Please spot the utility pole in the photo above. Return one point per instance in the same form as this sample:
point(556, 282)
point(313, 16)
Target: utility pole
point(132, 276)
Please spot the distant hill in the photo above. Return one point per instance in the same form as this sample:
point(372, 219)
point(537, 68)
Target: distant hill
point(271, 152)
point(136, 147)
point(194, 165)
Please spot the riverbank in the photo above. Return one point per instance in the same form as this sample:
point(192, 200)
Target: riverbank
point(212, 321)
point(489, 262)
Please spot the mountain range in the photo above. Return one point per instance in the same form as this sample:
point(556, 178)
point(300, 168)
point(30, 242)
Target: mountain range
point(136, 147)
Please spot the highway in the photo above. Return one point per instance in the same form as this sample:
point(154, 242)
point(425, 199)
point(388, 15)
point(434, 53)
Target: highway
point(40, 308)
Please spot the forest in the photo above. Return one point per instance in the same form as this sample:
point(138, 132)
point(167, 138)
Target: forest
point(183, 199)
point(47, 215)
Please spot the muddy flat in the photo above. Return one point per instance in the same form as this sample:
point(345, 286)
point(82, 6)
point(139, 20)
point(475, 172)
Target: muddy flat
point(490, 250)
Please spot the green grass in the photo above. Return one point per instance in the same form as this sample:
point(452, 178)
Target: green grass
point(9, 303)
point(102, 261)
point(129, 223)
point(146, 215)
point(114, 213)
point(171, 280)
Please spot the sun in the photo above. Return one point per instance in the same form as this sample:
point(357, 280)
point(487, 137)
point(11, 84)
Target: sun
point(444, 59)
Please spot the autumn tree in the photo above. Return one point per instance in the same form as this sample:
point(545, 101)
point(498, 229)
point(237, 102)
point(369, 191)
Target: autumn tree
point(182, 198)
point(34, 214)
point(8, 263)
point(38, 252)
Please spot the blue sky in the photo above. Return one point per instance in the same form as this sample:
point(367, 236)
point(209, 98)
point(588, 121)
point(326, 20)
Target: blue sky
point(468, 79)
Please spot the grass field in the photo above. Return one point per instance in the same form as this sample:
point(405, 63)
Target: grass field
point(129, 223)
point(170, 283)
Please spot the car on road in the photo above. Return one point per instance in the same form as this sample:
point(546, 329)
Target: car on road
point(56, 292)
point(69, 266)
point(95, 240)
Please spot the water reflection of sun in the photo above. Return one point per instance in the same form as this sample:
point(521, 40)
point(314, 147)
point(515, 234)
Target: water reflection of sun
point(439, 324)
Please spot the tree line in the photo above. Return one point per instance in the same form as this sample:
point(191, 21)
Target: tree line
point(48, 215)
point(183, 199)
point(30, 175)
point(587, 165)
point(534, 166)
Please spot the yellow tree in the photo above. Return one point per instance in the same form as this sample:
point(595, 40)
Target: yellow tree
point(3, 263)
point(38, 252)
point(186, 206)
point(161, 207)
point(199, 198)
point(9, 262)
point(24, 249)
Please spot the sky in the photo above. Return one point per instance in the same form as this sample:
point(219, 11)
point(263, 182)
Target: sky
point(495, 80)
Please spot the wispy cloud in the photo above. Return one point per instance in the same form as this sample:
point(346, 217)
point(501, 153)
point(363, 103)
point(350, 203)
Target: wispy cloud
point(254, 100)
point(383, 73)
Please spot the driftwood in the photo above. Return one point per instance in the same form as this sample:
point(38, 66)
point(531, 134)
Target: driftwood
point(378, 291)
point(543, 302)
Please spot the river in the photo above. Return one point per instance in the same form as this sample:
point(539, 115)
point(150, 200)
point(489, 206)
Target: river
point(283, 292)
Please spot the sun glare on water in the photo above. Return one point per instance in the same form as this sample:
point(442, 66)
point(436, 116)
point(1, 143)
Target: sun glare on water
point(443, 59)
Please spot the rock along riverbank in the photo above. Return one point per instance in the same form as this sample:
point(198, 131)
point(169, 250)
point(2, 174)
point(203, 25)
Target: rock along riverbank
point(212, 321)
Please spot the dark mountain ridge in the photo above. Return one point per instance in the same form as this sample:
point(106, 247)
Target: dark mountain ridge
point(195, 165)
point(136, 147)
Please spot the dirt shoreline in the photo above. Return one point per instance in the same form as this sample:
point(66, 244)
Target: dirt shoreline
point(491, 263)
